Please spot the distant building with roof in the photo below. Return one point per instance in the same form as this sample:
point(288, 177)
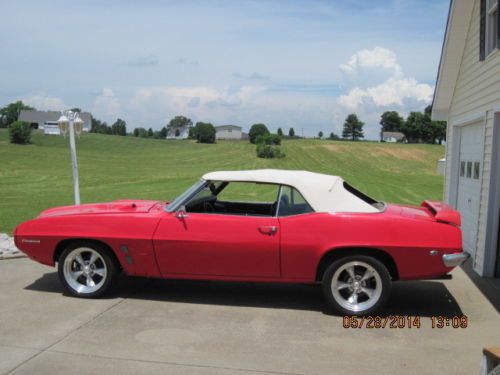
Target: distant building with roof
point(178, 132)
point(393, 137)
point(47, 120)
point(228, 132)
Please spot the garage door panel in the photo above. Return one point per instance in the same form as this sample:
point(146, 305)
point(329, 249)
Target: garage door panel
point(469, 182)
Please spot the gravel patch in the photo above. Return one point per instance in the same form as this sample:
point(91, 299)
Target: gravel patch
point(7, 248)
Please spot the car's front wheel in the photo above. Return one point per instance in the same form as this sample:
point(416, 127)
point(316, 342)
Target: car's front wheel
point(356, 285)
point(86, 269)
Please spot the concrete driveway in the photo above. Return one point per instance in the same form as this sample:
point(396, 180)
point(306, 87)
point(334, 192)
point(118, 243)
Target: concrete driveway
point(156, 326)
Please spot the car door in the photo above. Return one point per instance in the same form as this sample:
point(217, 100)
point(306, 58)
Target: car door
point(215, 244)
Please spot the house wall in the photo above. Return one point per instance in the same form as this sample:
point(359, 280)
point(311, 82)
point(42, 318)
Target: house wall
point(476, 96)
point(226, 134)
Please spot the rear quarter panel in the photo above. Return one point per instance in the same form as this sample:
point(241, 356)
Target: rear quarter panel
point(305, 239)
point(39, 237)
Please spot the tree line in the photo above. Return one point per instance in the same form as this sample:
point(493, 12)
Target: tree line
point(418, 127)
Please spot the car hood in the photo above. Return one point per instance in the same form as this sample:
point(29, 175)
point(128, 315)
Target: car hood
point(116, 207)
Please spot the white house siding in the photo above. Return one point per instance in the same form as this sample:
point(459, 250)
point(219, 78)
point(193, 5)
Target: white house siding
point(231, 133)
point(477, 92)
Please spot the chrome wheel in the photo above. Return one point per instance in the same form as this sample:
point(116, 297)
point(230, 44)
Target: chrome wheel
point(85, 270)
point(356, 286)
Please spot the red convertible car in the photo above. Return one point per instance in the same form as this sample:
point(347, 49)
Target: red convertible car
point(260, 225)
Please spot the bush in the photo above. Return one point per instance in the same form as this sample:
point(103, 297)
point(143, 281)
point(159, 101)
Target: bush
point(204, 132)
point(269, 151)
point(268, 139)
point(20, 132)
point(256, 130)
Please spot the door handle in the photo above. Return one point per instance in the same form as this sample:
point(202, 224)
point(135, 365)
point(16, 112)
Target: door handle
point(269, 230)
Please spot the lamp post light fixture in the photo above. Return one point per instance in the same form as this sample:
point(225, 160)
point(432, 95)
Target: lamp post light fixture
point(70, 122)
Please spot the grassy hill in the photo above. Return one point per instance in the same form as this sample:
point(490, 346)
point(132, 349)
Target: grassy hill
point(38, 176)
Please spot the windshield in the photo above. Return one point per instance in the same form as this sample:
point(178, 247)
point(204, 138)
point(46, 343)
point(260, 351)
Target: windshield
point(186, 195)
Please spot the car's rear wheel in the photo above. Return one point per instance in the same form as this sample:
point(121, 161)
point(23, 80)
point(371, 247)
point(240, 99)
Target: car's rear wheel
point(356, 285)
point(87, 270)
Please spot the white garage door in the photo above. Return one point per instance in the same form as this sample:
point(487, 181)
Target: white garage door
point(469, 182)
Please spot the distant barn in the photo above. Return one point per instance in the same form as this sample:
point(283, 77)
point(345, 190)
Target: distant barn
point(228, 132)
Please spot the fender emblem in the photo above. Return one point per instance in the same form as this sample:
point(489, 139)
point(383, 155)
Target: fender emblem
point(30, 241)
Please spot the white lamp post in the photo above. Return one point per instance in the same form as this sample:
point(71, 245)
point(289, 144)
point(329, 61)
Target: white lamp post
point(68, 121)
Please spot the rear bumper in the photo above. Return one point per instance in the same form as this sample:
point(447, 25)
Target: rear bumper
point(454, 260)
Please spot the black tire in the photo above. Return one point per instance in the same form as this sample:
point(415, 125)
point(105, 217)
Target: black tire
point(105, 261)
point(339, 301)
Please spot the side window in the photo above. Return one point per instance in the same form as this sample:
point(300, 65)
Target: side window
point(249, 192)
point(462, 168)
point(469, 169)
point(292, 203)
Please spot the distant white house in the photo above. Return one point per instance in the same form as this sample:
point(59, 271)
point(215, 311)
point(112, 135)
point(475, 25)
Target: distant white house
point(467, 96)
point(228, 132)
point(178, 133)
point(47, 120)
point(393, 137)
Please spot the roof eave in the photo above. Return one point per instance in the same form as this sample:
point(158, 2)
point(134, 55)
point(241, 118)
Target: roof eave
point(457, 28)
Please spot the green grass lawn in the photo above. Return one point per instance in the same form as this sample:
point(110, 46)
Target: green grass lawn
point(38, 176)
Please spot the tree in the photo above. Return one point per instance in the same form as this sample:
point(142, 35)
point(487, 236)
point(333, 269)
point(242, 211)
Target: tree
point(436, 129)
point(391, 121)
point(256, 130)
point(150, 132)
point(96, 126)
point(20, 132)
point(414, 127)
point(192, 133)
point(204, 132)
point(10, 113)
point(269, 151)
point(333, 136)
point(320, 134)
point(119, 128)
point(291, 133)
point(163, 132)
point(280, 132)
point(268, 139)
point(353, 128)
point(140, 132)
point(179, 122)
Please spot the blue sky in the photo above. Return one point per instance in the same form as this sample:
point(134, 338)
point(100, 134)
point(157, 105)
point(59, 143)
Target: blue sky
point(305, 64)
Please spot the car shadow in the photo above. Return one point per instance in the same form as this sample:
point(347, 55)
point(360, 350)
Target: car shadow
point(409, 298)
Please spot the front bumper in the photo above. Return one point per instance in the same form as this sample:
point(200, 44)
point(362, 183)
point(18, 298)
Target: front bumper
point(456, 259)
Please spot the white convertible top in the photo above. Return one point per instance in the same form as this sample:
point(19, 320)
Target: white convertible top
point(323, 192)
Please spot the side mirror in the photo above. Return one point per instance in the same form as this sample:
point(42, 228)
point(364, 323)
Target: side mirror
point(181, 213)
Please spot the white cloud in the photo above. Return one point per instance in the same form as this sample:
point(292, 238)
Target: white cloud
point(107, 105)
point(199, 101)
point(243, 105)
point(44, 102)
point(375, 58)
point(396, 90)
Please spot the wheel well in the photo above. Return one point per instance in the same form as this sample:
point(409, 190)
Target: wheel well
point(335, 254)
point(65, 243)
